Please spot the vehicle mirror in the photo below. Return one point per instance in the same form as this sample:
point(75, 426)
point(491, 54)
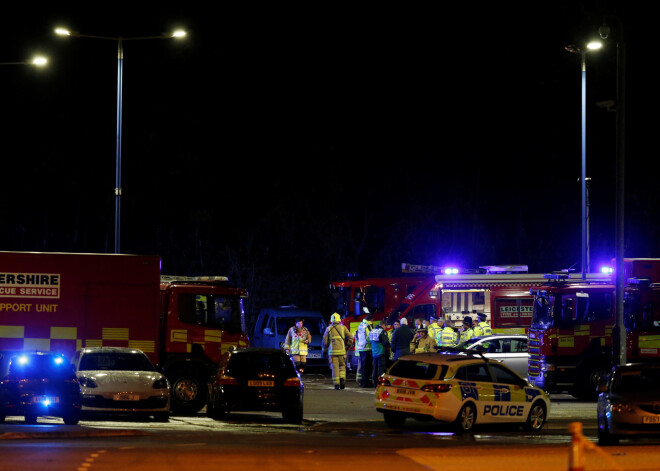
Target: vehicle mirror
point(268, 331)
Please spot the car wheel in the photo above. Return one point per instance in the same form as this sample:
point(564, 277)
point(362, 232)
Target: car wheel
point(394, 419)
point(293, 416)
point(466, 418)
point(216, 411)
point(605, 438)
point(72, 418)
point(162, 417)
point(536, 417)
point(30, 419)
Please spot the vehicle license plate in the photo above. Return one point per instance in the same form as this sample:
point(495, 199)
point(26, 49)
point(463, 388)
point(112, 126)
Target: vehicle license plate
point(651, 420)
point(406, 392)
point(314, 355)
point(261, 383)
point(125, 397)
point(49, 399)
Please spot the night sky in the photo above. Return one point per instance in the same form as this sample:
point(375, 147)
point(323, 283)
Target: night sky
point(285, 145)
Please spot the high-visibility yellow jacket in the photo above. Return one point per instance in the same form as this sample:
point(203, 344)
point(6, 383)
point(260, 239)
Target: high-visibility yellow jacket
point(335, 337)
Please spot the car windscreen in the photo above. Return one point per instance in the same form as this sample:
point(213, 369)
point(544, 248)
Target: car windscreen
point(249, 363)
point(412, 369)
point(636, 381)
point(39, 366)
point(115, 361)
point(315, 325)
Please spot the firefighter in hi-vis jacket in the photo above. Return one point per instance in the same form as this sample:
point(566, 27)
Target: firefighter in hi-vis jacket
point(335, 340)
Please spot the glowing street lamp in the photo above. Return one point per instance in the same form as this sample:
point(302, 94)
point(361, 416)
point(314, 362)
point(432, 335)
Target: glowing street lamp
point(38, 61)
point(592, 46)
point(178, 34)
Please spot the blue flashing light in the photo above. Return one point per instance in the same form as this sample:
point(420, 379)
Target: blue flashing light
point(23, 360)
point(606, 270)
point(46, 402)
point(58, 360)
point(451, 271)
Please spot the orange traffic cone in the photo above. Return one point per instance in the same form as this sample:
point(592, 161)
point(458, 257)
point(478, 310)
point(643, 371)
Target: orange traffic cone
point(576, 452)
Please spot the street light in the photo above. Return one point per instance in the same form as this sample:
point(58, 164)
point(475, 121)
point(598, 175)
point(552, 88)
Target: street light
point(592, 46)
point(120, 79)
point(38, 61)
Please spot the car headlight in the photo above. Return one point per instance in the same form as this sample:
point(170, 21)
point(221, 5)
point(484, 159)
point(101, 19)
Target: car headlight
point(161, 383)
point(86, 382)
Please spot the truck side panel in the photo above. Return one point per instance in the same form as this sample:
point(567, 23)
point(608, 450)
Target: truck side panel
point(62, 302)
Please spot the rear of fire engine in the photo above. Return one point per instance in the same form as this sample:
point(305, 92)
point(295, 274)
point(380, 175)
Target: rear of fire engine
point(570, 339)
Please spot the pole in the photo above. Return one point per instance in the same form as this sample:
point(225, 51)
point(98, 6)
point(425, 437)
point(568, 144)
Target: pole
point(620, 194)
point(120, 84)
point(583, 179)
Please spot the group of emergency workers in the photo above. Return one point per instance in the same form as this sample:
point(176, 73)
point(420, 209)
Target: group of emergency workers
point(376, 346)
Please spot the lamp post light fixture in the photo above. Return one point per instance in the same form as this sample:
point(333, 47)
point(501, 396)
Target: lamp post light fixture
point(38, 61)
point(120, 84)
point(592, 46)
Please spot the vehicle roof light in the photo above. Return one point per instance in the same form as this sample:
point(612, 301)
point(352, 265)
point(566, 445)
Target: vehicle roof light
point(606, 269)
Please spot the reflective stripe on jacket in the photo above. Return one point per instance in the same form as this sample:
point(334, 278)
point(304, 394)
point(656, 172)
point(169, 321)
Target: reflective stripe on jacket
point(334, 339)
point(482, 328)
point(296, 340)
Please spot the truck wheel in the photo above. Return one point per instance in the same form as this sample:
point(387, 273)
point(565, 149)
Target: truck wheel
point(188, 393)
point(536, 417)
point(466, 418)
point(587, 381)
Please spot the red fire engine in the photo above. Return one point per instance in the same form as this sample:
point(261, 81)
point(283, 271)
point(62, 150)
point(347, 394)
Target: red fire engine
point(570, 339)
point(355, 298)
point(63, 301)
point(499, 291)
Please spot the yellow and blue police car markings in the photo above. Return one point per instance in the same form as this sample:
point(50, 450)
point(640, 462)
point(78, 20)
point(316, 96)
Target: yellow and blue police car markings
point(469, 390)
point(531, 394)
point(502, 393)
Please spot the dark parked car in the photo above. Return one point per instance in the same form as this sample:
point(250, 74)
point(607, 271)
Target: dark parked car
point(629, 404)
point(256, 379)
point(40, 384)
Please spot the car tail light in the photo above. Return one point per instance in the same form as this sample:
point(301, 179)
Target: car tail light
point(436, 388)
point(227, 381)
point(382, 381)
point(293, 382)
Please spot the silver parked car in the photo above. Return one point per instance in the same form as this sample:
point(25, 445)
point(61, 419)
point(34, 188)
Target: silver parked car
point(629, 403)
point(121, 381)
point(509, 349)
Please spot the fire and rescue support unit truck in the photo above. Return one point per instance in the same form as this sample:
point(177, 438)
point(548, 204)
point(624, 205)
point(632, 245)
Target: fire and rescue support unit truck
point(501, 292)
point(570, 339)
point(61, 302)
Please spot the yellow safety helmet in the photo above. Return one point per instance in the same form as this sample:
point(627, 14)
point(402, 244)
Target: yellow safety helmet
point(335, 318)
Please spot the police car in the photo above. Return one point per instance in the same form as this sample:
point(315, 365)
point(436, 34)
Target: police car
point(461, 389)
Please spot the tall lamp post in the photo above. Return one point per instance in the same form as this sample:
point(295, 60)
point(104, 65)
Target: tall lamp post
point(120, 79)
point(592, 46)
point(619, 332)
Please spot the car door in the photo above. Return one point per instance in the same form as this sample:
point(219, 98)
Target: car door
point(517, 358)
point(510, 398)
